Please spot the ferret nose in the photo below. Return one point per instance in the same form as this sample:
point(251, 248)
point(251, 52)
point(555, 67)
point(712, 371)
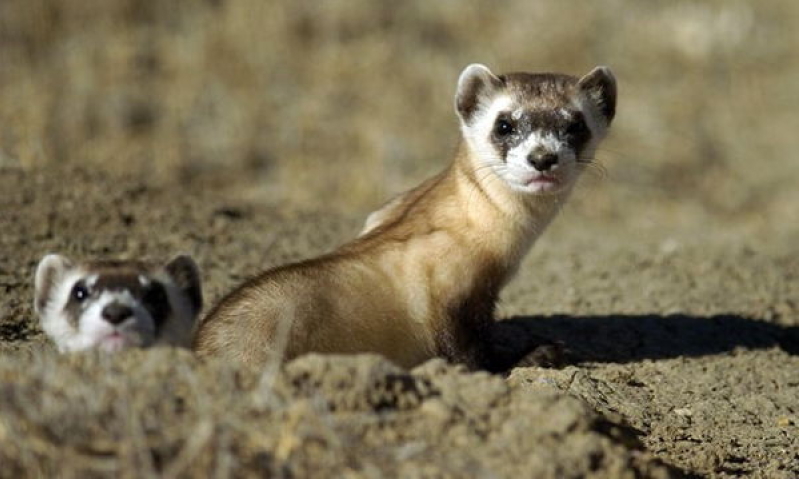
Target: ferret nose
point(542, 161)
point(115, 313)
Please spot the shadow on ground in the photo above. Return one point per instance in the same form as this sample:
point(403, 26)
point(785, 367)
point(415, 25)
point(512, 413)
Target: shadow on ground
point(628, 338)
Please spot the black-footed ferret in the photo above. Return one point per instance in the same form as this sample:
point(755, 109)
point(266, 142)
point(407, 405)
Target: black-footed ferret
point(423, 278)
point(114, 305)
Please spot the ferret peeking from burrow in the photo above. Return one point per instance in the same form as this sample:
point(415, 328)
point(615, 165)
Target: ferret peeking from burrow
point(114, 305)
point(423, 278)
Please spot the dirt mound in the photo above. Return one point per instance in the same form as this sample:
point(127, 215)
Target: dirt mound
point(162, 411)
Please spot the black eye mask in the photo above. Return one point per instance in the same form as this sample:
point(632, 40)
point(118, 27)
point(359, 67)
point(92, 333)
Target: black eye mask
point(153, 295)
point(507, 132)
point(79, 299)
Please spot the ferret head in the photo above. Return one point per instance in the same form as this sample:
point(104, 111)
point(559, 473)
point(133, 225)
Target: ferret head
point(534, 131)
point(113, 305)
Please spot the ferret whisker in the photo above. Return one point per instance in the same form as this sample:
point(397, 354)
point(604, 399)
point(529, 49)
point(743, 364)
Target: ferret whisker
point(489, 166)
point(616, 153)
point(593, 167)
point(486, 177)
point(586, 161)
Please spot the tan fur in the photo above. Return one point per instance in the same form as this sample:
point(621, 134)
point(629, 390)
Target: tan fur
point(451, 243)
point(421, 280)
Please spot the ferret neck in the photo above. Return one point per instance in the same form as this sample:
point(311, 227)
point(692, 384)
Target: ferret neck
point(511, 218)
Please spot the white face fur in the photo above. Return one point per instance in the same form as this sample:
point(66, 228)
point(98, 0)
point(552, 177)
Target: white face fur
point(534, 131)
point(114, 306)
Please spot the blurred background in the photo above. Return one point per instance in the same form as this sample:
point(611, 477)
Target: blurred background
point(343, 103)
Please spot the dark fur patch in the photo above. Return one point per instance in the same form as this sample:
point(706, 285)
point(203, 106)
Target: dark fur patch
point(600, 86)
point(504, 143)
point(466, 339)
point(128, 267)
point(540, 91)
point(156, 301)
point(75, 308)
point(576, 133)
point(468, 100)
point(186, 276)
point(121, 281)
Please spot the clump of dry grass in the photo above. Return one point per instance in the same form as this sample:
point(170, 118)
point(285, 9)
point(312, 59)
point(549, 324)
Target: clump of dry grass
point(345, 102)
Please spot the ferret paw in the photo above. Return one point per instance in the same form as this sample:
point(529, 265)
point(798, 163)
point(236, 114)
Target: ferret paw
point(546, 355)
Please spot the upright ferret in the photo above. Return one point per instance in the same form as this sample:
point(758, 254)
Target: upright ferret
point(423, 278)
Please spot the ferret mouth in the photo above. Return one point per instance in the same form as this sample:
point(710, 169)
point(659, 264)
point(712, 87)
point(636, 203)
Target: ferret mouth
point(536, 182)
point(542, 179)
point(114, 342)
point(542, 183)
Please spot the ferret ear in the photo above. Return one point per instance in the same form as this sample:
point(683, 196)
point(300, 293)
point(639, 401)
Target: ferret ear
point(599, 86)
point(50, 269)
point(475, 86)
point(186, 275)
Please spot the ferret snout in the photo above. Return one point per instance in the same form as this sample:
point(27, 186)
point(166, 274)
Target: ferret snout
point(116, 313)
point(542, 160)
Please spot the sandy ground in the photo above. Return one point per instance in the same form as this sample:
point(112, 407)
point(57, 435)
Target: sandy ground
point(682, 349)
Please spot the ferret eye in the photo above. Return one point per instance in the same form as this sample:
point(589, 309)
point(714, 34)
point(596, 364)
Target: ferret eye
point(80, 292)
point(503, 127)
